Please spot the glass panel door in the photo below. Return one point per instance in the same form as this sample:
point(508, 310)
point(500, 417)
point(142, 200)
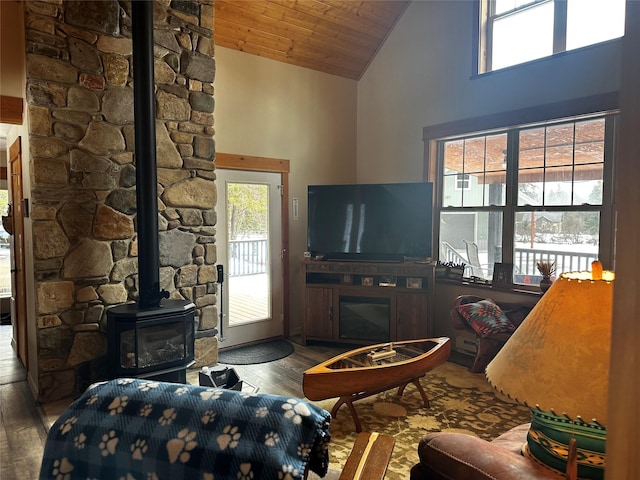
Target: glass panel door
point(249, 245)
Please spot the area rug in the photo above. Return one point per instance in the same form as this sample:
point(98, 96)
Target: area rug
point(259, 353)
point(460, 402)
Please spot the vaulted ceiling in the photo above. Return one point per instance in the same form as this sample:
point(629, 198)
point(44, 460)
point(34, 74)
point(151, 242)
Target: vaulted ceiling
point(339, 37)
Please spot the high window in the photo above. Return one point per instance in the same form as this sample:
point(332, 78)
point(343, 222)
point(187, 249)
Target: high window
point(517, 31)
point(537, 192)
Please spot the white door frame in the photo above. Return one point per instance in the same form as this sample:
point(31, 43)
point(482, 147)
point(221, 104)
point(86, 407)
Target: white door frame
point(274, 165)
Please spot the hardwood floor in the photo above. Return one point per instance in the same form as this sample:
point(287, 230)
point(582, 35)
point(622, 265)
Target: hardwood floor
point(24, 423)
point(22, 430)
point(284, 377)
point(10, 367)
point(23, 433)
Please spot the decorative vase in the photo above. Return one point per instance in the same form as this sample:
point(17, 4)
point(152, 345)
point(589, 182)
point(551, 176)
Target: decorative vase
point(545, 283)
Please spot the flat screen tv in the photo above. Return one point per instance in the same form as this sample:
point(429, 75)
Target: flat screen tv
point(370, 222)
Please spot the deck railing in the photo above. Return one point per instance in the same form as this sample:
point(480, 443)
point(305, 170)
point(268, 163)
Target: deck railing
point(247, 257)
point(526, 258)
point(450, 254)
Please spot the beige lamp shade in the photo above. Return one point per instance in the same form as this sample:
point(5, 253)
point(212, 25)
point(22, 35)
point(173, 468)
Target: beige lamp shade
point(558, 359)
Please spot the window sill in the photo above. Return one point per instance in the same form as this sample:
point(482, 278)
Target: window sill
point(532, 290)
point(554, 57)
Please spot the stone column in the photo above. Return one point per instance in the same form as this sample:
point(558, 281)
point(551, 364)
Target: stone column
point(81, 144)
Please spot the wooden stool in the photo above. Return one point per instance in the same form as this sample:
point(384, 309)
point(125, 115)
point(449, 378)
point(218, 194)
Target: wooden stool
point(369, 457)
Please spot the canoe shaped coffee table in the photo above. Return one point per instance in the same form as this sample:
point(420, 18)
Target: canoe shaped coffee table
point(366, 371)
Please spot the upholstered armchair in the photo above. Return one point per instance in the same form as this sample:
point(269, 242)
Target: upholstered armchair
point(491, 327)
point(449, 455)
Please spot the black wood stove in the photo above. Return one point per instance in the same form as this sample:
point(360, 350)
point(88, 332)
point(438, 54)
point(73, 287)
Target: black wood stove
point(153, 338)
point(155, 342)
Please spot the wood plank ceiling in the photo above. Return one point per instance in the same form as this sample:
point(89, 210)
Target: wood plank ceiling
point(339, 37)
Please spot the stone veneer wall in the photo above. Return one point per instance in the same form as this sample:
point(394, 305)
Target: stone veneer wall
point(82, 166)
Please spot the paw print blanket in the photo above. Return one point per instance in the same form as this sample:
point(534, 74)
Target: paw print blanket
point(148, 430)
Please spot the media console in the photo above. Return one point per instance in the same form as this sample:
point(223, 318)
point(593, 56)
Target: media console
point(366, 303)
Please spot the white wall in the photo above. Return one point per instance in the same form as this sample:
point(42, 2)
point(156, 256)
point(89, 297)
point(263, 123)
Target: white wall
point(271, 109)
point(422, 76)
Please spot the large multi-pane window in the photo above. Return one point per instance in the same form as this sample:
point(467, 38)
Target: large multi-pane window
point(535, 193)
point(517, 31)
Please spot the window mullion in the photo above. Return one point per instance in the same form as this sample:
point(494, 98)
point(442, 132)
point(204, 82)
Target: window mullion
point(508, 220)
point(486, 198)
point(573, 168)
point(559, 26)
point(438, 193)
point(485, 47)
point(464, 168)
point(607, 215)
point(544, 170)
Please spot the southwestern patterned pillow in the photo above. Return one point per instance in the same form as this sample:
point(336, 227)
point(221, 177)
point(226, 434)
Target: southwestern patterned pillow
point(485, 317)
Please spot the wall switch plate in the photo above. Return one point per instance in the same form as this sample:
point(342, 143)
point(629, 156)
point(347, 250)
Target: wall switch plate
point(295, 209)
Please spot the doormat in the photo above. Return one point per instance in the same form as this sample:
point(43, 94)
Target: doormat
point(259, 353)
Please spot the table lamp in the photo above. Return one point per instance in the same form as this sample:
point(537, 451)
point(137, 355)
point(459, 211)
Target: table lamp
point(557, 363)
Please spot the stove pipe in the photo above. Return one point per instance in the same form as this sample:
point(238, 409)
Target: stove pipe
point(145, 155)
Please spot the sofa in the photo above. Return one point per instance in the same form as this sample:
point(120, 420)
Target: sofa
point(459, 456)
point(490, 337)
point(147, 429)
